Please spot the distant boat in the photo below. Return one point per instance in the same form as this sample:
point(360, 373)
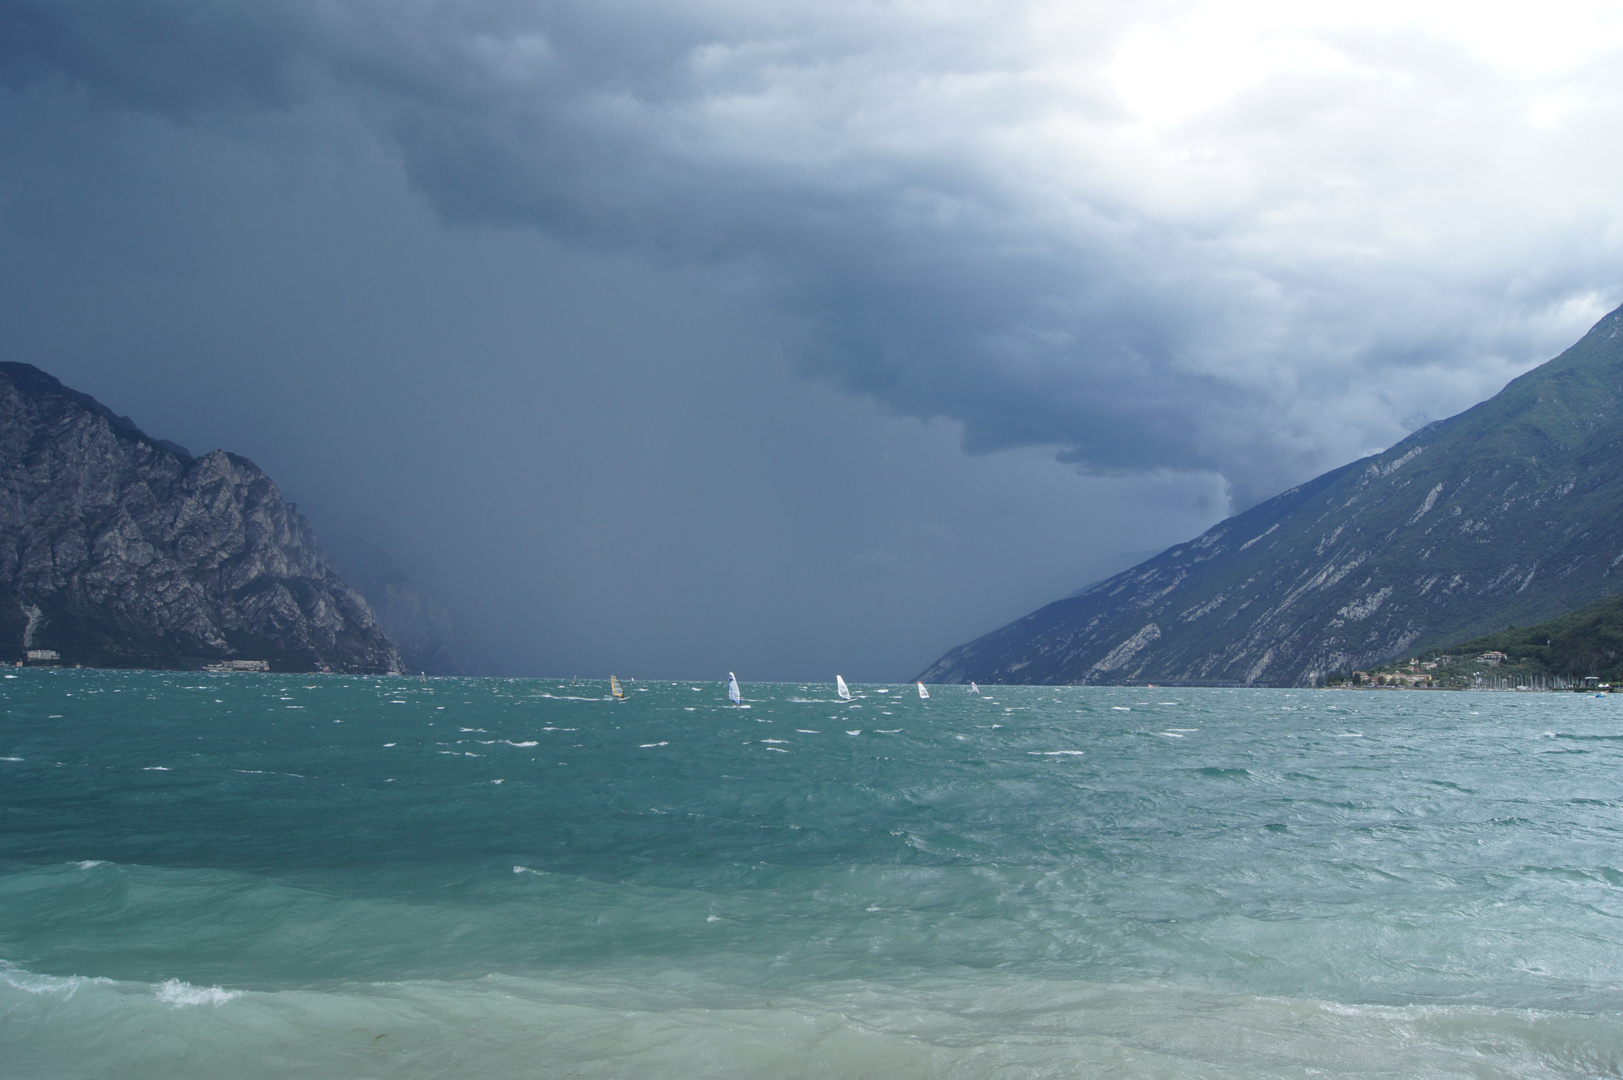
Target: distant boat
point(614, 688)
point(732, 690)
point(973, 689)
point(841, 689)
point(922, 691)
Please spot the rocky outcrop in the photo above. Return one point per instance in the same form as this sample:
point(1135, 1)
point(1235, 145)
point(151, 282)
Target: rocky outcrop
point(117, 549)
point(1509, 513)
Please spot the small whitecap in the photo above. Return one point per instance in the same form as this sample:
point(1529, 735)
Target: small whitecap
point(527, 742)
point(777, 750)
point(184, 995)
point(498, 781)
point(807, 731)
point(91, 864)
point(390, 744)
point(712, 918)
point(1120, 708)
point(155, 768)
point(775, 740)
point(30, 983)
point(1056, 753)
point(1172, 734)
point(651, 745)
point(11, 758)
point(858, 731)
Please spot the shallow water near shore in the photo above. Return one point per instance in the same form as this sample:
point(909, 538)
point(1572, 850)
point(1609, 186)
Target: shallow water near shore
point(258, 875)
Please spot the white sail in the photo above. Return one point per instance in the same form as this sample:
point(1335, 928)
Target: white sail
point(614, 687)
point(922, 691)
point(973, 689)
point(732, 689)
point(841, 689)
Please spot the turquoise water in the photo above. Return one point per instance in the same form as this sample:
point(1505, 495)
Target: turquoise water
point(256, 876)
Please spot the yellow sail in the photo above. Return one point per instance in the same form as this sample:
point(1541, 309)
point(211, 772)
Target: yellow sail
point(614, 687)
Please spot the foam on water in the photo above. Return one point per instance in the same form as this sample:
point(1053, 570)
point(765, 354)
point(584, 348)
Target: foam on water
point(676, 1024)
point(185, 995)
point(1061, 894)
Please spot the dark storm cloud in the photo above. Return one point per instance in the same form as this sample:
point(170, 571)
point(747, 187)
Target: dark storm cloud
point(962, 210)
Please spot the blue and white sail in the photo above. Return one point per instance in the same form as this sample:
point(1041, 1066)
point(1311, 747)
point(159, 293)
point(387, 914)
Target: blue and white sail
point(733, 694)
point(841, 689)
point(923, 693)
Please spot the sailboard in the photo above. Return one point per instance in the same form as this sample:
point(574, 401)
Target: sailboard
point(733, 694)
point(841, 689)
point(973, 689)
point(614, 688)
point(922, 691)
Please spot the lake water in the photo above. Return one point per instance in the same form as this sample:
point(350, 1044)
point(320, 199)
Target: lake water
point(270, 876)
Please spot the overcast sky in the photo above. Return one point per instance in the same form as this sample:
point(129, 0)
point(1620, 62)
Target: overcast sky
point(793, 338)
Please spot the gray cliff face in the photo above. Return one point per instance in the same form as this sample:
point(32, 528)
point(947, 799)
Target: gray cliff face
point(1510, 513)
point(118, 550)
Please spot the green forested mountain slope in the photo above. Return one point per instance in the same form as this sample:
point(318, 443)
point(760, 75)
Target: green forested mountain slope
point(1509, 513)
point(1583, 643)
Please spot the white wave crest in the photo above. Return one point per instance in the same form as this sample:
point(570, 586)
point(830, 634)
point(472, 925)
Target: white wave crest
point(30, 983)
point(183, 995)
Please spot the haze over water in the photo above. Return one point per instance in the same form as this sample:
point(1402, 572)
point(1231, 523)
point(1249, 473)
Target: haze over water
point(323, 876)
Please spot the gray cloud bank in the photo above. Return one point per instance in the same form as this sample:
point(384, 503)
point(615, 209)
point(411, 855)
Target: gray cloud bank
point(566, 383)
point(953, 209)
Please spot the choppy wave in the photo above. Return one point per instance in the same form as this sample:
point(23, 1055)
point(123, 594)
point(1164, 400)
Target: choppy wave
point(1067, 892)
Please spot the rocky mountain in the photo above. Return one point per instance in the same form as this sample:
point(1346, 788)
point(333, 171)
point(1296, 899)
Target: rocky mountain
point(416, 621)
point(117, 549)
point(1509, 513)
